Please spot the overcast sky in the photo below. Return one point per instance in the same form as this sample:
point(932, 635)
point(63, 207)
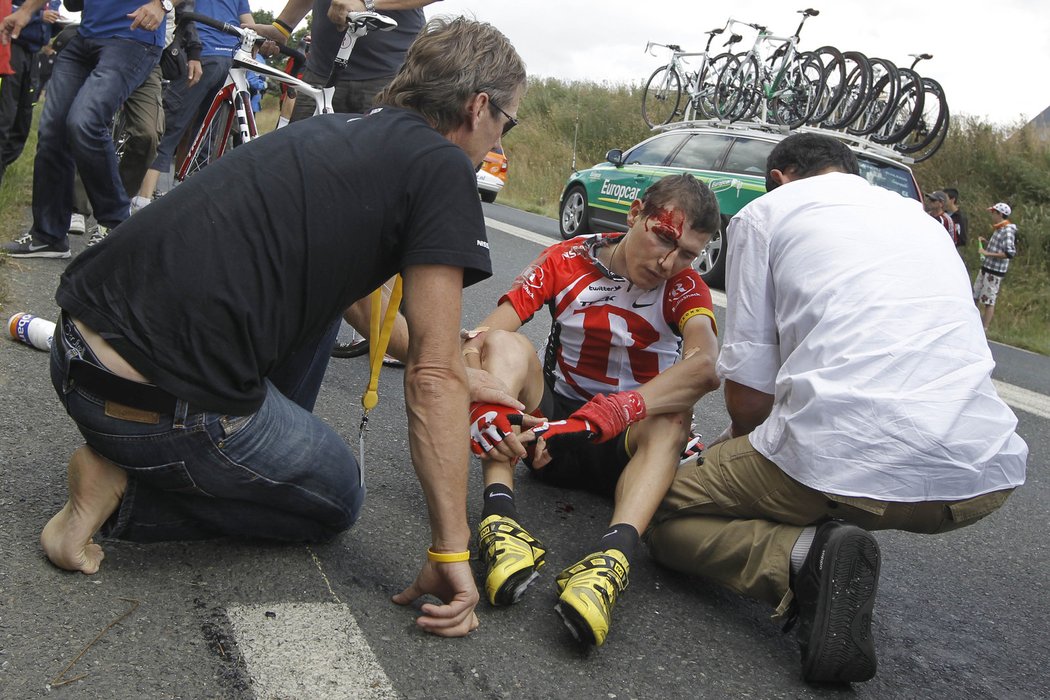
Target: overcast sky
point(991, 56)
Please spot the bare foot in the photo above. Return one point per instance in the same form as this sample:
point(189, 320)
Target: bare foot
point(96, 486)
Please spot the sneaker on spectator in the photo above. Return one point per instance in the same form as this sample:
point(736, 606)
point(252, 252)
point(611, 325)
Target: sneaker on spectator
point(391, 361)
point(77, 224)
point(98, 235)
point(25, 247)
point(138, 203)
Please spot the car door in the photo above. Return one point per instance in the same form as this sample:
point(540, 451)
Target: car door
point(612, 192)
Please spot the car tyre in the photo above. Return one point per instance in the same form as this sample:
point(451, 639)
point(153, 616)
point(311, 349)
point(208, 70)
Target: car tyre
point(574, 219)
point(712, 262)
point(487, 196)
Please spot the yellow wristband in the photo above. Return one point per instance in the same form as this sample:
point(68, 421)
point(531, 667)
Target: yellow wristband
point(447, 557)
point(282, 28)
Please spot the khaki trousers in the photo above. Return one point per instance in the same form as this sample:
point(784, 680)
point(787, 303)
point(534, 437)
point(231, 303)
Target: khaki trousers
point(735, 518)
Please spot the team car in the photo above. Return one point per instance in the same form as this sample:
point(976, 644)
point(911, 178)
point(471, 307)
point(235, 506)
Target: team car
point(729, 158)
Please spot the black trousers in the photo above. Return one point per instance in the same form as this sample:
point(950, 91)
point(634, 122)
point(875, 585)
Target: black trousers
point(16, 106)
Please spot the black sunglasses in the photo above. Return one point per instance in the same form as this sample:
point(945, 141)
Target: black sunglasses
point(511, 121)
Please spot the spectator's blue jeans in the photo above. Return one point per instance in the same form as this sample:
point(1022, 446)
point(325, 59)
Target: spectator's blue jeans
point(91, 79)
point(280, 473)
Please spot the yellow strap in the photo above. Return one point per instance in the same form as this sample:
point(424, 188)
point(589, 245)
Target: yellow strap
point(379, 338)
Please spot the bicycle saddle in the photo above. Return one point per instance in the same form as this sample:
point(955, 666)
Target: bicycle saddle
point(372, 21)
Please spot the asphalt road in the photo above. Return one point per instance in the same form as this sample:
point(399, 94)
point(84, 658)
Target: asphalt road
point(963, 615)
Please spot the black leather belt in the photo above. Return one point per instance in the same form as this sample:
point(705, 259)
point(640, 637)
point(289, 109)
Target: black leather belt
point(106, 385)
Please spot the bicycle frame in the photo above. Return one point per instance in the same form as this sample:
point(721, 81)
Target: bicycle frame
point(235, 93)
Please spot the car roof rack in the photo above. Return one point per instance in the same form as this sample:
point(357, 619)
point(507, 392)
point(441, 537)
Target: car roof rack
point(859, 143)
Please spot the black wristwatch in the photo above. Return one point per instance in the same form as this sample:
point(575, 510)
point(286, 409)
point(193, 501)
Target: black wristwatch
point(166, 4)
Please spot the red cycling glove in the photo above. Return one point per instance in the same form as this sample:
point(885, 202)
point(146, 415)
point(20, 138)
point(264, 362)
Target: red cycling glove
point(489, 424)
point(610, 415)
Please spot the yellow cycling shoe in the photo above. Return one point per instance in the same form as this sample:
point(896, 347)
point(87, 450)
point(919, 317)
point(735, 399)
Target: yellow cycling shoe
point(587, 594)
point(511, 556)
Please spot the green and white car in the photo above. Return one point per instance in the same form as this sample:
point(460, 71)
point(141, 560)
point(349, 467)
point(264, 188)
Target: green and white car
point(729, 158)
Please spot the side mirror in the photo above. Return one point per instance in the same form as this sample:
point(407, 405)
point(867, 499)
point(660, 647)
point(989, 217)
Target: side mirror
point(615, 156)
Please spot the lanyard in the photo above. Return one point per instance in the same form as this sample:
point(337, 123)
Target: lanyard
point(378, 339)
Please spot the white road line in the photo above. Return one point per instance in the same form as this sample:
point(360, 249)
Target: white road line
point(307, 650)
point(1023, 399)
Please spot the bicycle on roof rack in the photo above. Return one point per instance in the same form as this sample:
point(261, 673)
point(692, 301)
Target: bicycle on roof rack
point(783, 89)
point(662, 96)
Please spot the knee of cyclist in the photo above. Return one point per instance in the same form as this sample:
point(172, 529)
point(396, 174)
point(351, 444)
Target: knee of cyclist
point(505, 343)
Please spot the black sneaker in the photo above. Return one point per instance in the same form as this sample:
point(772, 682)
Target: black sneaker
point(835, 594)
point(26, 247)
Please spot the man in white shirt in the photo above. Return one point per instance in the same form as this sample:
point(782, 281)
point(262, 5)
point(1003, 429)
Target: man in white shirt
point(858, 383)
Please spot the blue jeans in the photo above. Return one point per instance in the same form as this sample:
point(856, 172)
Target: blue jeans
point(279, 473)
point(91, 79)
point(185, 106)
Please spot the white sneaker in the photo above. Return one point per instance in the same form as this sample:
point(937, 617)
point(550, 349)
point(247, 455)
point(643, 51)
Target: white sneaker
point(98, 235)
point(138, 203)
point(77, 225)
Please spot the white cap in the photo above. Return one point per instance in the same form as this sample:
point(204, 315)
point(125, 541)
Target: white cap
point(1002, 207)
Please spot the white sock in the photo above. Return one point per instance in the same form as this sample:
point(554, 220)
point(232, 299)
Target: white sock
point(802, 547)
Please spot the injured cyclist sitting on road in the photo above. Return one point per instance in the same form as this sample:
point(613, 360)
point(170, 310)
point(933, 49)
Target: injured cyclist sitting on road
point(632, 348)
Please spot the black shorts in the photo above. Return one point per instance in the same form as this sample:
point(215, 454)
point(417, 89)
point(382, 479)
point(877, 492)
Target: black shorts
point(581, 464)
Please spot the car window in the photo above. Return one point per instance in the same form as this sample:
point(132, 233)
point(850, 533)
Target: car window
point(891, 177)
point(702, 152)
point(654, 152)
point(748, 156)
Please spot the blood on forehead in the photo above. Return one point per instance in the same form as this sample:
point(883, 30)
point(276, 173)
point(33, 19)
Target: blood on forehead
point(669, 223)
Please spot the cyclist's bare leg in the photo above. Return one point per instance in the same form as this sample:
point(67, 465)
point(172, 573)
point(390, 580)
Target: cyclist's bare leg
point(656, 444)
point(512, 358)
point(96, 487)
point(149, 183)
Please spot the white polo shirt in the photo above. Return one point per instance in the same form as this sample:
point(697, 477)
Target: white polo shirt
point(849, 304)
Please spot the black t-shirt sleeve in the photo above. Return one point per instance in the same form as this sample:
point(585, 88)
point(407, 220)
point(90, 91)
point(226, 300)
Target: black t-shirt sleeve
point(445, 223)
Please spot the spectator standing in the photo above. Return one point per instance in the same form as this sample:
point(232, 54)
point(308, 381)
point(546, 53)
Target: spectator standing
point(118, 43)
point(186, 102)
point(935, 203)
point(995, 260)
point(962, 226)
point(376, 57)
point(16, 91)
point(860, 397)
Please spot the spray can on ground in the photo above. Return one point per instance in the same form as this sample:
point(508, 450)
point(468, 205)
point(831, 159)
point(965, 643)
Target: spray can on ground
point(32, 330)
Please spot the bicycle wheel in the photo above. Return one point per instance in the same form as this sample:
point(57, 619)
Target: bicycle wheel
point(833, 83)
point(880, 100)
point(738, 89)
point(119, 131)
point(932, 125)
point(219, 132)
point(858, 78)
point(795, 97)
point(661, 96)
point(707, 86)
point(906, 112)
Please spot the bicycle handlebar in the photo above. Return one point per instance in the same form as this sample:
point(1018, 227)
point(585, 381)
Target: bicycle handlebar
point(235, 30)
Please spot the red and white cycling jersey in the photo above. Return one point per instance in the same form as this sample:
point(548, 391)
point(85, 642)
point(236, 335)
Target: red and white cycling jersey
point(607, 334)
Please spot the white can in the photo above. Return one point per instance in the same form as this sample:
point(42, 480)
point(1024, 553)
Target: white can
point(32, 330)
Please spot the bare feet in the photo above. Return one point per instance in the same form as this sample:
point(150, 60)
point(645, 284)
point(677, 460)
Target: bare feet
point(96, 486)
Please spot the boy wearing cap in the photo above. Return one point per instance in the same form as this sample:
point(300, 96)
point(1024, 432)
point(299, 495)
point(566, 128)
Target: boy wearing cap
point(995, 259)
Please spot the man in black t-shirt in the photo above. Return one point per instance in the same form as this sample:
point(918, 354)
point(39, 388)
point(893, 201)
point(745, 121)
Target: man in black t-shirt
point(193, 340)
